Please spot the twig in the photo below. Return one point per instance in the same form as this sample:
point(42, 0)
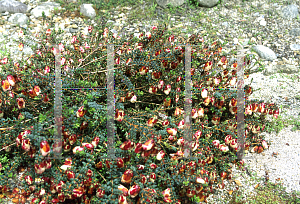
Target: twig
point(102, 176)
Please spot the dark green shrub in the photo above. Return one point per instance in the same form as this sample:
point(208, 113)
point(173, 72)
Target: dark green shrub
point(141, 134)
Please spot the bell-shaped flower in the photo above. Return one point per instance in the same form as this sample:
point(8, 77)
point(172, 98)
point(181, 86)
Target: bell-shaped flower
point(181, 124)
point(176, 98)
point(233, 102)
point(153, 89)
point(119, 115)
point(204, 93)
point(160, 155)
point(67, 164)
point(70, 174)
point(140, 167)
point(138, 148)
point(11, 80)
point(228, 138)
point(26, 144)
point(32, 93)
point(167, 195)
point(178, 111)
point(21, 103)
point(39, 168)
point(180, 141)
point(197, 134)
point(261, 107)
point(152, 177)
point(122, 199)
point(72, 139)
point(276, 113)
point(89, 173)
point(148, 145)
point(165, 123)
point(216, 143)
point(48, 163)
point(156, 75)
point(179, 79)
point(233, 143)
point(89, 146)
point(28, 179)
point(78, 192)
point(100, 193)
point(194, 113)
point(264, 144)
point(127, 176)
point(134, 191)
point(81, 112)
point(45, 148)
point(248, 110)
point(133, 99)
point(21, 46)
point(167, 89)
point(200, 112)
point(152, 121)
point(215, 120)
point(83, 125)
point(172, 131)
point(123, 189)
point(153, 166)
point(127, 145)
point(160, 84)
point(223, 148)
point(143, 70)
point(120, 163)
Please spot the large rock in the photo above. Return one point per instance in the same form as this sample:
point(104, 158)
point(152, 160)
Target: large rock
point(88, 10)
point(12, 6)
point(174, 3)
point(18, 18)
point(287, 69)
point(289, 12)
point(208, 3)
point(47, 7)
point(265, 52)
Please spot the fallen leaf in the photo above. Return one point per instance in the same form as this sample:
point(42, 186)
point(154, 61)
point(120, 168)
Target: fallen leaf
point(238, 182)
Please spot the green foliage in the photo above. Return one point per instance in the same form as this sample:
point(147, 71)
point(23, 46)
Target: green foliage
point(173, 172)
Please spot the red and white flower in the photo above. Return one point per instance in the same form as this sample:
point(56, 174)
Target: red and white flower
point(167, 89)
point(134, 191)
point(80, 113)
point(127, 176)
point(45, 148)
point(119, 116)
point(223, 148)
point(160, 155)
point(172, 131)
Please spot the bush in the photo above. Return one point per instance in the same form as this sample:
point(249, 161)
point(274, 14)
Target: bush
point(149, 165)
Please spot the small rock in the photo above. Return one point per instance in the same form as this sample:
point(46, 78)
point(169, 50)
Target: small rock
point(74, 26)
point(238, 182)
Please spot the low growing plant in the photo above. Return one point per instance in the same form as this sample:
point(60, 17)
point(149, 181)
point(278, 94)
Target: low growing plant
point(149, 166)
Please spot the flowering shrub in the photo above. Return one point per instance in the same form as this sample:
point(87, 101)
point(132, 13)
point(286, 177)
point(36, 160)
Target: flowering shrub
point(149, 164)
